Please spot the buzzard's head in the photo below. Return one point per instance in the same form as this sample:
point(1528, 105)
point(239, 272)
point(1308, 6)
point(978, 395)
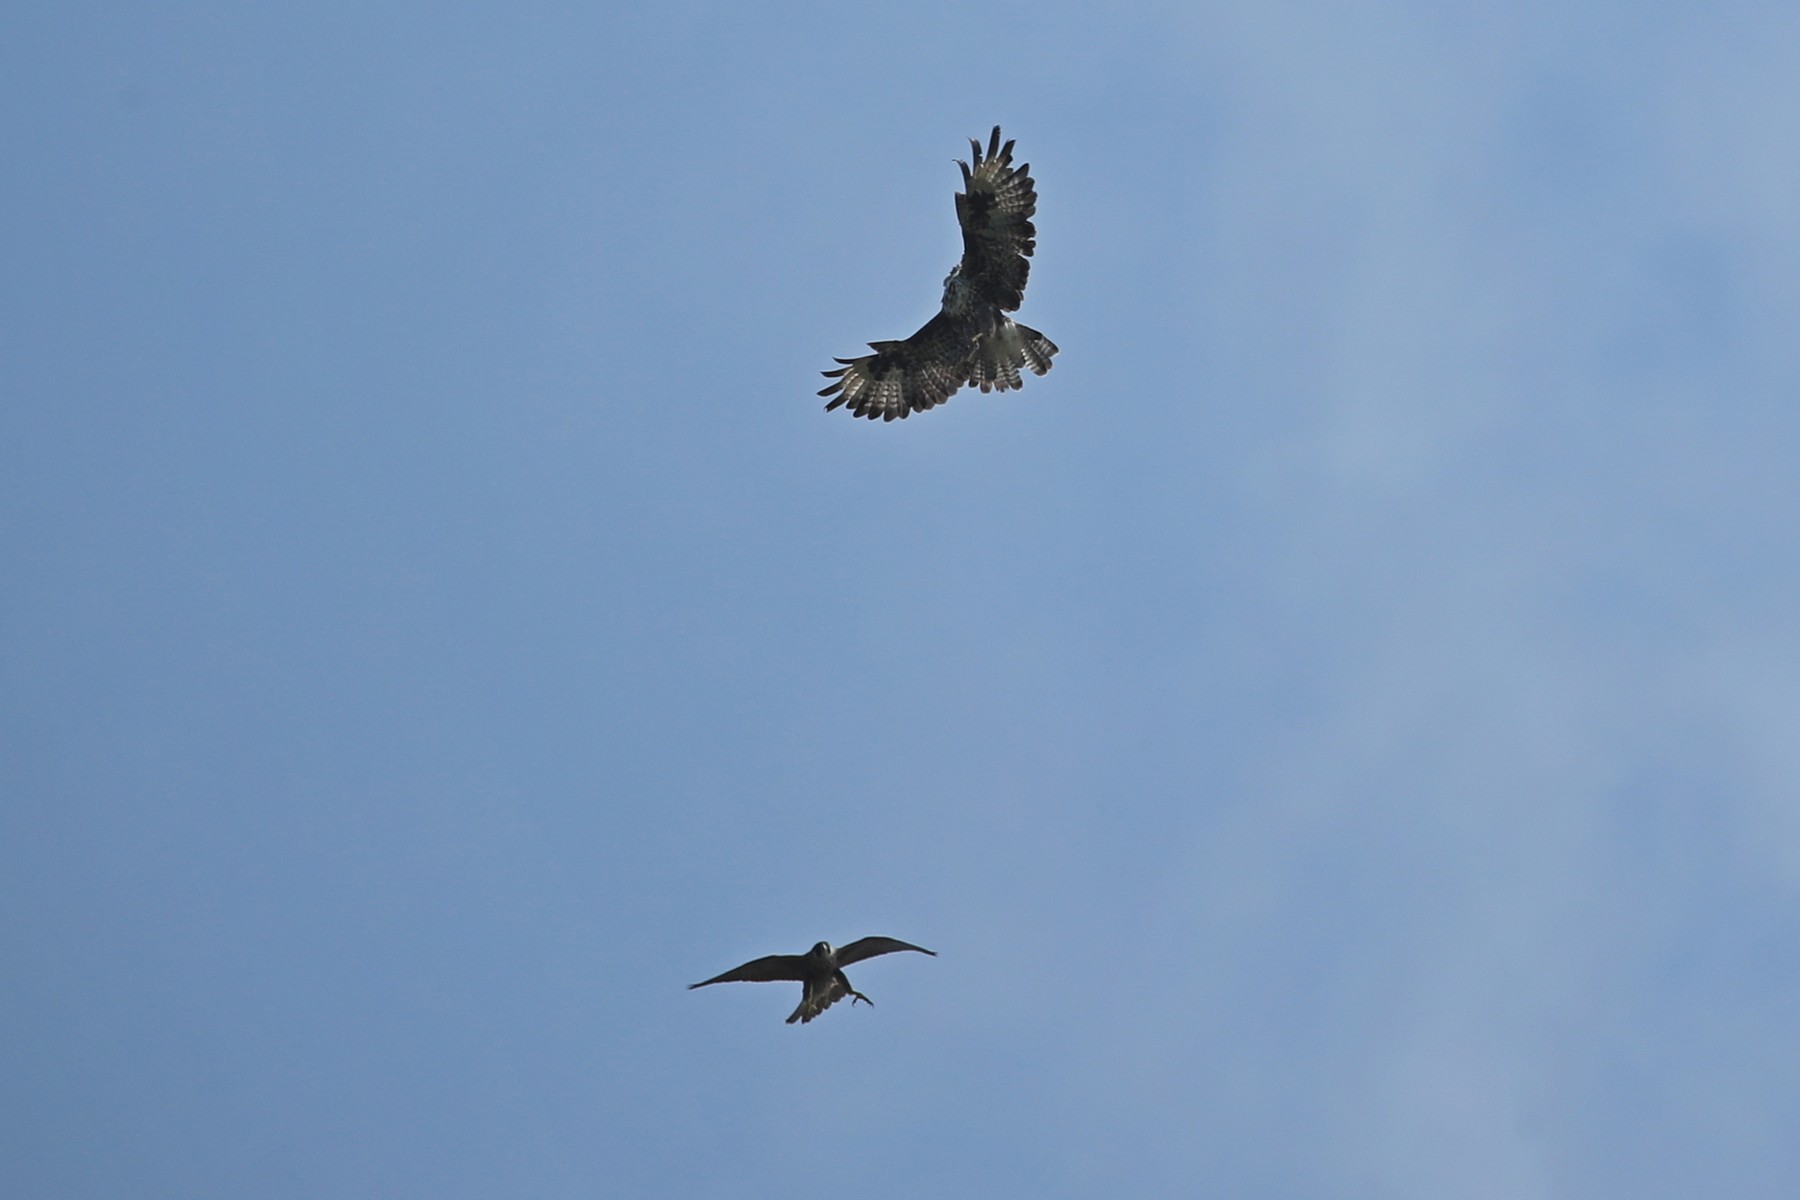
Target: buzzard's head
point(822, 952)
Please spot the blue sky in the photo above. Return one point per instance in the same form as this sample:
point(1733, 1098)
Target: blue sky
point(1338, 729)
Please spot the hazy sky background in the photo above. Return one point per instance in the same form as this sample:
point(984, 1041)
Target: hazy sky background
point(1340, 730)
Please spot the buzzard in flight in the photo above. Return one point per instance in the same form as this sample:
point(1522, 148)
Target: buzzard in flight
point(971, 340)
point(820, 972)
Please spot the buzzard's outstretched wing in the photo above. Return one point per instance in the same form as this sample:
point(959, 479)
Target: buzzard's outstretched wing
point(869, 947)
point(995, 209)
point(773, 969)
point(905, 377)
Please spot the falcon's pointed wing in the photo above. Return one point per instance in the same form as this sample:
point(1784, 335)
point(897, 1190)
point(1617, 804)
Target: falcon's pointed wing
point(869, 947)
point(773, 969)
point(905, 377)
point(995, 209)
point(820, 995)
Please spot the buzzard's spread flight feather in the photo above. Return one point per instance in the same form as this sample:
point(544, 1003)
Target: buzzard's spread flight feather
point(971, 340)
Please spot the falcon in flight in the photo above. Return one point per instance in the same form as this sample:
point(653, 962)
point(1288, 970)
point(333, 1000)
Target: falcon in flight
point(820, 973)
point(971, 340)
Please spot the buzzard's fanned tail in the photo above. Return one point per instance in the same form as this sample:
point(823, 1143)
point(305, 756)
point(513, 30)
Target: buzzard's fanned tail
point(1000, 354)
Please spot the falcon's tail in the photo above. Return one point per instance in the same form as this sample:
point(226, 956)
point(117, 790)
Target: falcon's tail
point(816, 997)
point(1000, 354)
